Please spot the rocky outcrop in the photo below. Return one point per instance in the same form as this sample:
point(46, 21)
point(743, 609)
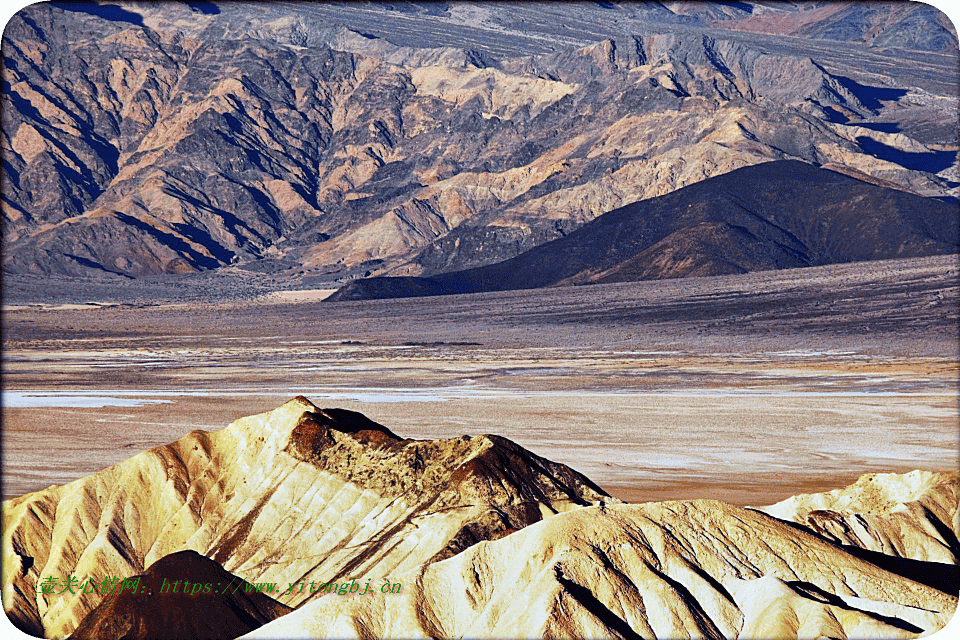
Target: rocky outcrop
point(190, 139)
point(772, 216)
point(296, 494)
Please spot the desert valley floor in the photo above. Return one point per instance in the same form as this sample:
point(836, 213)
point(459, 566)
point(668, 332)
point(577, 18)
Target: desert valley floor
point(804, 388)
point(745, 388)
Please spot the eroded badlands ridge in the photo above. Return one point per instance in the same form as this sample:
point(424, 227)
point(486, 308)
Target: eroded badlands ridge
point(487, 539)
point(911, 515)
point(700, 569)
point(293, 494)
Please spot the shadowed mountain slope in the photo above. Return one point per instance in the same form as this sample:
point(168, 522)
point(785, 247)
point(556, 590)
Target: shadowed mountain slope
point(771, 216)
point(298, 493)
point(223, 606)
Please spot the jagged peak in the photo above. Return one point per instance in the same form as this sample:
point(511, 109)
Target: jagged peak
point(370, 455)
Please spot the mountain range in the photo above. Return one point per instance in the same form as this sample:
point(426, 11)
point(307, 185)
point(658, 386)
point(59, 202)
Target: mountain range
point(324, 142)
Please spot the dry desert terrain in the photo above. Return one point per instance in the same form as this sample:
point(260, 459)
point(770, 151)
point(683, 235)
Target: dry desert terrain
point(745, 388)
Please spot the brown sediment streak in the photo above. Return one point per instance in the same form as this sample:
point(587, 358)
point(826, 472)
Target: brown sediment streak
point(237, 534)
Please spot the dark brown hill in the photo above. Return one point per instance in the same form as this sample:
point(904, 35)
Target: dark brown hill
point(772, 216)
point(229, 608)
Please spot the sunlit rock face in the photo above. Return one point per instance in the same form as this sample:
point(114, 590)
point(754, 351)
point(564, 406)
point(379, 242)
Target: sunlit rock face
point(911, 515)
point(701, 569)
point(276, 139)
point(294, 494)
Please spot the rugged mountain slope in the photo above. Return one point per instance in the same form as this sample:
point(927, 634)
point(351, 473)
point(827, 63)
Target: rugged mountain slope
point(223, 607)
point(700, 569)
point(293, 494)
point(162, 137)
point(770, 216)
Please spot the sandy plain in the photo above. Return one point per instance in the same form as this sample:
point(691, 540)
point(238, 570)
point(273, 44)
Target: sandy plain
point(744, 388)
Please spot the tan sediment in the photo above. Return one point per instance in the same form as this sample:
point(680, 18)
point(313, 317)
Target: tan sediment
point(304, 295)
